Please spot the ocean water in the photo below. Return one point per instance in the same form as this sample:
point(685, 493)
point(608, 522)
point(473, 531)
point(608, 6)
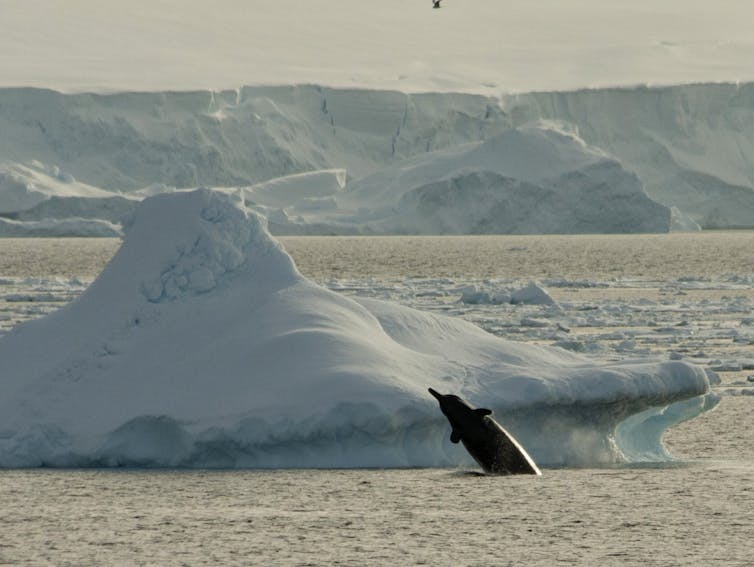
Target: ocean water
point(695, 514)
point(680, 295)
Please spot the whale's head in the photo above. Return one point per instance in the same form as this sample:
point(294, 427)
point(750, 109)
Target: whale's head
point(459, 413)
point(450, 404)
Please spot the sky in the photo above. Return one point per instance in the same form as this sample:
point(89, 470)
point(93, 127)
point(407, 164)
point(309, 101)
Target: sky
point(484, 46)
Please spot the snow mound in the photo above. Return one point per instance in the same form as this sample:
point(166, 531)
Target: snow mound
point(114, 209)
point(531, 153)
point(42, 200)
point(473, 295)
point(22, 186)
point(292, 190)
point(59, 227)
point(201, 345)
point(539, 178)
point(532, 294)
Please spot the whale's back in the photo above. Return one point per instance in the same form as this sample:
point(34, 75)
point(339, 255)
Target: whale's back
point(497, 451)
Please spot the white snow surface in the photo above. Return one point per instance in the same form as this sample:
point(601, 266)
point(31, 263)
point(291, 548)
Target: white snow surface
point(200, 344)
point(23, 186)
point(301, 189)
point(485, 46)
point(532, 294)
point(539, 178)
point(42, 200)
point(74, 226)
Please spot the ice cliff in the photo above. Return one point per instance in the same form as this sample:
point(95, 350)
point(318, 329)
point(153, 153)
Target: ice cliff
point(692, 145)
point(201, 345)
point(686, 148)
point(537, 178)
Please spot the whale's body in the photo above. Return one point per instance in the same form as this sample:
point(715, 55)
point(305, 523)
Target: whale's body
point(496, 450)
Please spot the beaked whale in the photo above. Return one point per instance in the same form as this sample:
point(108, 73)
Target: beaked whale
point(496, 450)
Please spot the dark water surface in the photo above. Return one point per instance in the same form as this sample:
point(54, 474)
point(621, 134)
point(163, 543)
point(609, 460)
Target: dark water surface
point(648, 256)
point(696, 514)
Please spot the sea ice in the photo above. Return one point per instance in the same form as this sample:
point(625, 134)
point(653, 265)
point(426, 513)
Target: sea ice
point(532, 294)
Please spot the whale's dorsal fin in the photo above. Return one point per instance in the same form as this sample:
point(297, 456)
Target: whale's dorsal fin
point(455, 437)
point(481, 412)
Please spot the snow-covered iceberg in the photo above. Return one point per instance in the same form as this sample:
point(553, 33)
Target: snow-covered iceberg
point(22, 186)
point(201, 345)
point(42, 200)
point(540, 178)
point(75, 226)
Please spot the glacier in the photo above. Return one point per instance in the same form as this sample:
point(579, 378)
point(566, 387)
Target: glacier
point(201, 345)
point(634, 159)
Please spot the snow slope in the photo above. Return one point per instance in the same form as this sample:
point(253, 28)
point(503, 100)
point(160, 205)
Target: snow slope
point(485, 46)
point(534, 179)
point(201, 344)
point(692, 146)
point(22, 186)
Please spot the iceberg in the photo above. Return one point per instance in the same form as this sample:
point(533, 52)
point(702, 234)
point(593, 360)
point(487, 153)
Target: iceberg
point(201, 345)
point(42, 200)
point(74, 226)
point(538, 178)
point(24, 186)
